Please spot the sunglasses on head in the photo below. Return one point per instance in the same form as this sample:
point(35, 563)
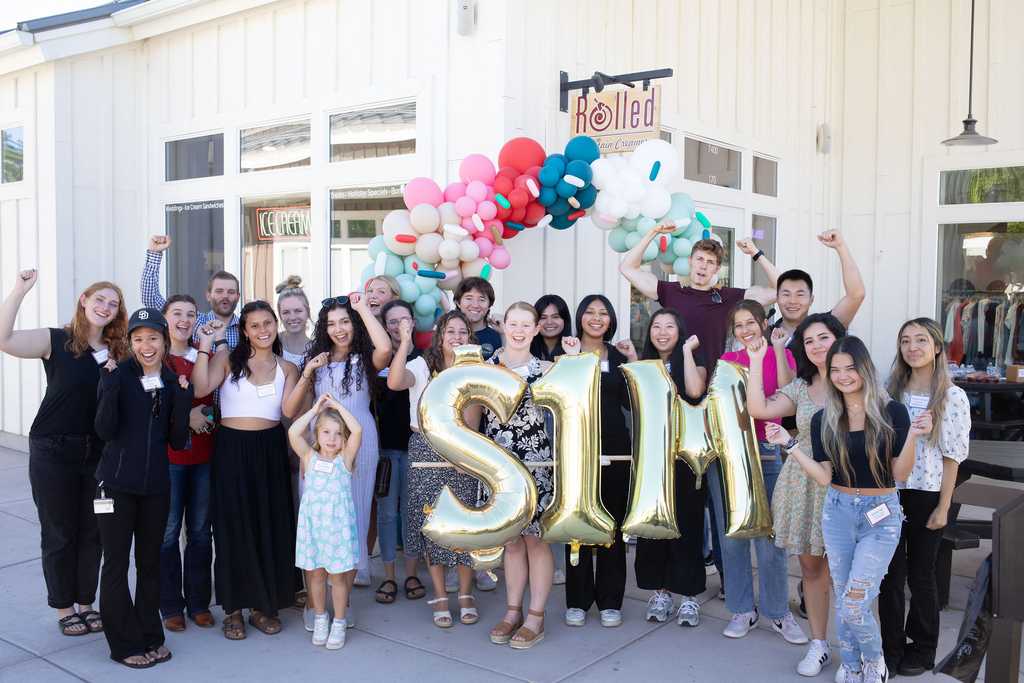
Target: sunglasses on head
point(716, 297)
point(331, 300)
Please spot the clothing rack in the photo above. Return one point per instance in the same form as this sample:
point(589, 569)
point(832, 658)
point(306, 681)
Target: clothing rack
point(984, 323)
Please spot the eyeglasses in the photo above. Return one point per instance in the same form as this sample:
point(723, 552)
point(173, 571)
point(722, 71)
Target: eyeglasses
point(715, 296)
point(331, 300)
point(395, 322)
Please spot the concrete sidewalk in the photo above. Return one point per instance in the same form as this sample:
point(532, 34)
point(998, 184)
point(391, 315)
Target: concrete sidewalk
point(398, 642)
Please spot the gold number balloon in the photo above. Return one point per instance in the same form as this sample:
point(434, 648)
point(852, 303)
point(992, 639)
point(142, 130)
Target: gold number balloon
point(450, 523)
point(571, 390)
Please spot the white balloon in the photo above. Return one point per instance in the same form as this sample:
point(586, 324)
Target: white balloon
point(424, 218)
point(449, 214)
point(604, 172)
point(468, 250)
point(426, 247)
point(656, 202)
point(452, 264)
point(644, 157)
point(397, 223)
point(448, 250)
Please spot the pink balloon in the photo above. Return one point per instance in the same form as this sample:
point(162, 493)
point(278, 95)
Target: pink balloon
point(487, 210)
point(477, 191)
point(500, 258)
point(422, 191)
point(464, 206)
point(454, 191)
point(477, 167)
point(486, 246)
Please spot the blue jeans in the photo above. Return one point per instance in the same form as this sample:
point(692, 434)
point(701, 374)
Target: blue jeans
point(772, 571)
point(190, 500)
point(388, 511)
point(858, 558)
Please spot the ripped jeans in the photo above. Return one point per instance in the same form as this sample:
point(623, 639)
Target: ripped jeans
point(859, 553)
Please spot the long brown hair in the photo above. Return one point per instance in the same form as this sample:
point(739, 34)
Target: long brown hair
point(940, 381)
point(115, 333)
point(434, 354)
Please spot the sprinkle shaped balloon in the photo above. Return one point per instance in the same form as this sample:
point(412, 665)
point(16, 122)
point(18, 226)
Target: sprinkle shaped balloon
point(566, 188)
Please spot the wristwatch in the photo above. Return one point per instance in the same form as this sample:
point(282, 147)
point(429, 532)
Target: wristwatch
point(758, 255)
point(791, 444)
point(219, 342)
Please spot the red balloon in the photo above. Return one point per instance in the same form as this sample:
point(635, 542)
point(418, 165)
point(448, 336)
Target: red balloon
point(519, 198)
point(534, 212)
point(422, 339)
point(521, 154)
point(503, 214)
point(518, 214)
point(503, 185)
point(509, 233)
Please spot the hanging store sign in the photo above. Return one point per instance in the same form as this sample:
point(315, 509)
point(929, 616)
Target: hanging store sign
point(619, 120)
point(283, 224)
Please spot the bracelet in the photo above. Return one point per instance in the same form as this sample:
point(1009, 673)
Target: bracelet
point(793, 443)
point(219, 342)
point(758, 255)
point(201, 351)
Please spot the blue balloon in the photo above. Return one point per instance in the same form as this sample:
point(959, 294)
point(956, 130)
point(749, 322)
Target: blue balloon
point(559, 207)
point(580, 169)
point(586, 196)
point(561, 222)
point(547, 196)
point(564, 189)
point(549, 174)
point(582, 148)
point(424, 323)
point(424, 305)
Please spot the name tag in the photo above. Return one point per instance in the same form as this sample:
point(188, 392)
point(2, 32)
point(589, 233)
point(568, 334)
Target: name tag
point(101, 356)
point(523, 371)
point(265, 390)
point(877, 514)
point(152, 383)
point(919, 402)
point(383, 373)
point(604, 366)
point(323, 466)
point(192, 356)
point(103, 506)
point(668, 366)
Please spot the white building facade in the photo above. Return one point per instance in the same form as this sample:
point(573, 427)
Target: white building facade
point(270, 137)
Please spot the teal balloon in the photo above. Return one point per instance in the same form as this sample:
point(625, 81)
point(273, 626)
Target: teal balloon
point(409, 292)
point(376, 246)
point(426, 284)
point(694, 232)
point(409, 261)
point(651, 252)
point(436, 293)
point(682, 205)
point(668, 257)
point(644, 224)
point(632, 239)
point(617, 240)
point(394, 266)
point(629, 223)
point(582, 148)
point(681, 267)
point(425, 305)
point(425, 323)
point(681, 247)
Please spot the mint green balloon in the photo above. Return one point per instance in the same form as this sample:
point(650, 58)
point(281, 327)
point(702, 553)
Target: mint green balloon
point(394, 265)
point(681, 267)
point(409, 292)
point(367, 273)
point(409, 261)
point(644, 225)
point(651, 252)
point(425, 305)
point(617, 240)
point(436, 293)
point(667, 257)
point(681, 247)
point(629, 223)
point(426, 284)
point(425, 323)
point(376, 246)
point(632, 238)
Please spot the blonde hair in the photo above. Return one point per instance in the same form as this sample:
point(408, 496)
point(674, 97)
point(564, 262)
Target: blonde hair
point(115, 333)
point(329, 414)
point(523, 306)
point(391, 282)
point(292, 286)
point(940, 380)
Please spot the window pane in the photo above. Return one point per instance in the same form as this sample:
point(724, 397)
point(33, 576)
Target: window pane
point(276, 234)
point(199, 157)
point(707, 163)
point(13, 155)
point(980, 261)
point(197, 231)
point(725, 273)
point(378, 132)
point(356, 216)
point(266, 148)
point(982, 185)
point(766, 176)
point(763, 232)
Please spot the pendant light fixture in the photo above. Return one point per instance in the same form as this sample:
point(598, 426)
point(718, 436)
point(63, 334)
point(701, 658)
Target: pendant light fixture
point(970, 135)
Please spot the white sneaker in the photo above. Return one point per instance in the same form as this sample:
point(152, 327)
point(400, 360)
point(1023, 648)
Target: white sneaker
point(875, 672)
point(610, 618)
point(721, 593)
point(320, 625)
point(486, 581)
point(362, 579)
point(451, 581)
point(845, 675)
point(307, 618)
point(789, 629)
point(559, 578)
point(689, 612)
point(336, 640)
point(818, 656)
point(574, 616)
point(740, 624)
point(659, 607)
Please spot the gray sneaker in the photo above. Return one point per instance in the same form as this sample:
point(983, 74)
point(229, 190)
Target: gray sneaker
point(659, 607)
point(610, 618)
point(485, 581)
point(574, 616)
point(689, 612)
point(789, 629)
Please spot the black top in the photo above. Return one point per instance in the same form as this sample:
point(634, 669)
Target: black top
point(615, 437)
point(539, 348)
point(138, 426)
point(679, 379)
point(69, 405)
point(489, 341)
point(392, 408)
point(898, 417)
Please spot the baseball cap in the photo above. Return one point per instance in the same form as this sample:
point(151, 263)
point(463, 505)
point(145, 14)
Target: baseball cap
point(147, 317)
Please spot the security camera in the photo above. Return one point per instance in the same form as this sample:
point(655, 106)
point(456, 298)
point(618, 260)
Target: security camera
point(465, 12)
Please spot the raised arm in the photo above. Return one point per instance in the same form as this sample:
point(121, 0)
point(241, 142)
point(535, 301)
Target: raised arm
point(694, 378)
point(210, 369)
point(149, 283)
point(853, 284)
point(785, 363)
point(355, 433)
point(378, 335)
point(297, 432)
point(762, 295)
point(819, 471)
point(300, 394)
point(23, 343)
point(632, 263)
point(399, 377)
point(774, 407)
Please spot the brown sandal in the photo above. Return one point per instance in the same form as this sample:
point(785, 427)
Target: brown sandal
point(267, 625)
point(502, 633)
point(525, 638)
point(234, 627)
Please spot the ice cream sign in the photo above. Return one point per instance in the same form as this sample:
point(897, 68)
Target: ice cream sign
point(282, 223)
point(619, 120)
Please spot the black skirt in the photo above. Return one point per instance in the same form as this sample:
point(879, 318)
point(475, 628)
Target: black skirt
point(253, 520)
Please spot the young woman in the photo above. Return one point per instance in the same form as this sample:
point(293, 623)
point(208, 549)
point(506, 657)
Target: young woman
point(393, 421)
point(554, 325)
point(189, 471)
point(798, 499)
point(676, 565)
point(862, 443)
point(379, 291)
point(253, 520)
point(749, 324)
point(142, 409)
point(63, 446)
point(293, 308)
point(349, 347)
point(920, 380)
point(604, 584)
point(424, 484)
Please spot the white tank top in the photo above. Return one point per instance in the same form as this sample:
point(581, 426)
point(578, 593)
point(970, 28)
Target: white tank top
point(245, 399)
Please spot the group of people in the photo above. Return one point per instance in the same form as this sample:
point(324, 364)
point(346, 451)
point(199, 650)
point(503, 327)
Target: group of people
point(295, 455)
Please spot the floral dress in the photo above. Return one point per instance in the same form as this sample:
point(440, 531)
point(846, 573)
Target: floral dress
point(526, 436)
point(326, 535)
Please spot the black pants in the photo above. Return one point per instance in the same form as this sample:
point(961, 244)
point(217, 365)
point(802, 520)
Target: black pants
point(913, 563)
point(132, 628)
point(60, 470)
point(607, 588)
point(677, 564)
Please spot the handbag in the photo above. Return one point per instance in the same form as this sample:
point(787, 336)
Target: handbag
point(382, 480)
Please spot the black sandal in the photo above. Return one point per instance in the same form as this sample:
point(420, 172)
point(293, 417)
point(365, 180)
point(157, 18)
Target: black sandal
point(411, 590)
point(145, 664)
point(386, 597)
point(92, 620)
point(156, 658)
point(66, 623)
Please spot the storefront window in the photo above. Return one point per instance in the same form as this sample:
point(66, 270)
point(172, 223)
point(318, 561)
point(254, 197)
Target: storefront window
point(982, 185)
point(763, 232)
point(197, 231)
point(712, 164)
point(378, 132)
point(766, 176)
point(269, 148)
point(13, 162)
point(725, 272)
point(199, 157)
point(276, 241)
point(356, 217)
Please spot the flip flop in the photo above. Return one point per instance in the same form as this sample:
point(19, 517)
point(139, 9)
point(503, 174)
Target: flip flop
point(386, 597)
point(66, 623)
point(92, 620)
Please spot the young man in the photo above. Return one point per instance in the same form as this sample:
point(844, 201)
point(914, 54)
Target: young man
point(222, 291)
point(474, 296)
point(704, 307)
point(796, 290)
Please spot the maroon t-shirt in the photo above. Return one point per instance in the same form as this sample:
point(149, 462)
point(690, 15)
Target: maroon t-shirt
point(703, 316)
